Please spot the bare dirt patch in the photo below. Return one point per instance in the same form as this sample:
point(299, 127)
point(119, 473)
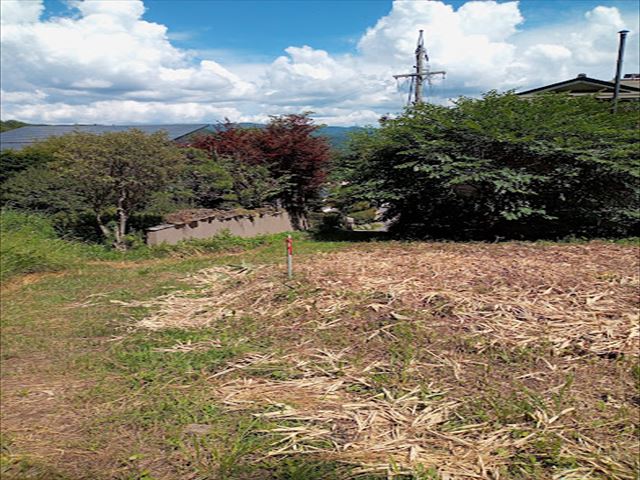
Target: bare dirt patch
point(37, 415)
point(28, 279)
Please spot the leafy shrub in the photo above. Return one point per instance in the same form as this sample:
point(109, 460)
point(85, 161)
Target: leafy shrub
point(325, 222)
point(362, 217)
point(28, 244)
point(13, 162)
point(547, 167)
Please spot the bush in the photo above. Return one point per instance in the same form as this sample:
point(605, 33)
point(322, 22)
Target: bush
point(28, 244)
point(363, 217)
point(13, 162)
point(501, 166)
point(321, 222)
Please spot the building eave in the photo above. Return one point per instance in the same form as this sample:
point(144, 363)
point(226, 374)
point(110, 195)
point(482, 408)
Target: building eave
point(589, 80)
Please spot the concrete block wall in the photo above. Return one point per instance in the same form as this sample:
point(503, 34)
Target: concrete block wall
point(242, 226)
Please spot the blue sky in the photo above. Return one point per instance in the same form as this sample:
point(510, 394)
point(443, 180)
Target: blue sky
point(203, 60)
point(264, 28)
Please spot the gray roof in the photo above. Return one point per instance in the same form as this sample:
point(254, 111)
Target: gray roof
point(19, 138)
point(581, 82)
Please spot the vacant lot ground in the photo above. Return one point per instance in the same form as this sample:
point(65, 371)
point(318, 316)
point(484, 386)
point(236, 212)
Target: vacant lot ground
point(378, 360)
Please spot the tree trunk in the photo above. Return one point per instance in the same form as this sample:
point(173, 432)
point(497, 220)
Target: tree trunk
point(298, 218)
point(103, 228)
point(121, 227)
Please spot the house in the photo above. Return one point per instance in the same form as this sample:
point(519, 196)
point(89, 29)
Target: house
point(22, 137)
point(601, 89)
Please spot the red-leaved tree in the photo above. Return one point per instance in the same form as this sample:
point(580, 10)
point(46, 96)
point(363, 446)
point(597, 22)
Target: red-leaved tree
point(229, 140)
point(288, 147)
point(294, 152)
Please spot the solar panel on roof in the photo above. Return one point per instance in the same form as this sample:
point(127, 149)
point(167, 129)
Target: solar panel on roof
point(21, 137)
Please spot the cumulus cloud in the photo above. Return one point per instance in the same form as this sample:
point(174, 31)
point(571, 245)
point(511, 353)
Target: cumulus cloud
point(14, 12)
point(106, 64)
point(22, 97)
point(113, 111)
point(107, 52)
point(586, 45)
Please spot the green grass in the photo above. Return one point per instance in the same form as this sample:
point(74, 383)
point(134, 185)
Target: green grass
point(143, 397)
point(132, 403)
point(29, 244)
point(142, 359)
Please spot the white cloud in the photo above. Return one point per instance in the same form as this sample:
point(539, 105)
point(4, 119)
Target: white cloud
point(22, 97)
point(108, 47)
point(18, 12)
point(496, 21)
point(92, 83)
point(586, 45)
point(127, 10)
point(124, 112)
point(605, 16)
point(548, 52)
point(107, 64)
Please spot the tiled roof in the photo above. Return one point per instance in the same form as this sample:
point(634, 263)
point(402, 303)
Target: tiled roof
point(21, 137)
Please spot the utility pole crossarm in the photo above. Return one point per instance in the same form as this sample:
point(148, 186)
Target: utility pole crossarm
point(404, 75)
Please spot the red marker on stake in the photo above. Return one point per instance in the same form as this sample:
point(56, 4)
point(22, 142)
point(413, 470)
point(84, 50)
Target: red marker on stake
point(289, 256)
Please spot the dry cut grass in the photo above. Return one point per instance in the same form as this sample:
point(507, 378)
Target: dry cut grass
point(462, 361)
point(580, 298)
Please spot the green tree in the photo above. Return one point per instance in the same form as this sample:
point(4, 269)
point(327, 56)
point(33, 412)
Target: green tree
point(207, 180)
point(117, 173)
point(6, 125)
point(74, 181)
point(253, 186)
point(502, 166)
point(43, 190)
point(29, 183)
point(13, 162)
point(212, 180)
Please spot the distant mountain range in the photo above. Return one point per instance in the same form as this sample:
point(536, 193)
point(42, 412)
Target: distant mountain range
point(337, 135)
point(11, 124)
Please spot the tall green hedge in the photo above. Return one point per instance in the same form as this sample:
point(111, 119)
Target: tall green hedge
point(501, 166)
